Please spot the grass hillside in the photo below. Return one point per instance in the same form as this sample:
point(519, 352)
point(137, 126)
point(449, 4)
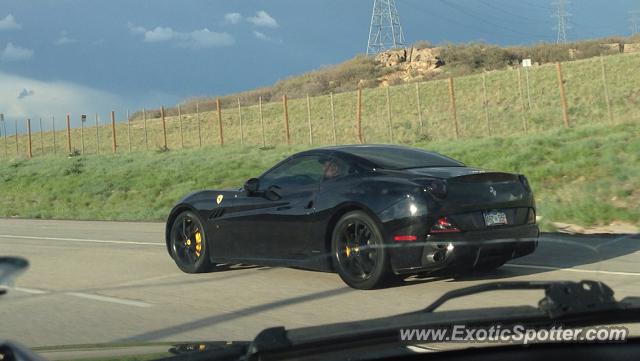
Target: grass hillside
point(588, 175)
point(510, 105)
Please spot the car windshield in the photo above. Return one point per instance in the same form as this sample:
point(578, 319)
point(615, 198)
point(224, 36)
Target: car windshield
point(401, 158)
point(202, 170)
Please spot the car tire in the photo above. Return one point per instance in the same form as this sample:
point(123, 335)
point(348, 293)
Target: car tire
point(358, 252)
point(188, 244)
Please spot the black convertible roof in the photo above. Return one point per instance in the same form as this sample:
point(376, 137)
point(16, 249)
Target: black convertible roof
point(395, 157)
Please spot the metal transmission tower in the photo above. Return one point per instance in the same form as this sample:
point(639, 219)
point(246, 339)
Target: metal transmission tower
point(634, 19)
point(562, 15)
point(385, 32)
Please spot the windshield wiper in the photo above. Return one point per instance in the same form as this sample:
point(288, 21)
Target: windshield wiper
point(560, 297)
point(574, 304)
point(577, 304)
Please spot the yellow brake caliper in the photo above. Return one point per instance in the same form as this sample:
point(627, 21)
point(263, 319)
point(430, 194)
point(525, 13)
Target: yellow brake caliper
point(198, 243)
point(348, 251)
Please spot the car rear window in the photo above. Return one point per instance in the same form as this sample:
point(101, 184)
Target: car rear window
point(402, 158)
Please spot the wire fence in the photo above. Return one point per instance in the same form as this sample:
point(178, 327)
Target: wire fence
point(524, 100)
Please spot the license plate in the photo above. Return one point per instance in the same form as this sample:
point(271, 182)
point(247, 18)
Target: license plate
point(495, 218)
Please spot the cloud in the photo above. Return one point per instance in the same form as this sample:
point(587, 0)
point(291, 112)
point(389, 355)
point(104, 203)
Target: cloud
point(25, 93)
point(43, 98)
point(15, 53)
point(264, 37)
point(262, 18)
point(159, 34)
point(9, 23)
point(63, 39)
point(136, 29)
point(203, 38)
point(233, 18)
point(206, 39)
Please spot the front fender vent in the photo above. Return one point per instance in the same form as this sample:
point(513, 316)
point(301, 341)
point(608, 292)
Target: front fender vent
point(216, 213)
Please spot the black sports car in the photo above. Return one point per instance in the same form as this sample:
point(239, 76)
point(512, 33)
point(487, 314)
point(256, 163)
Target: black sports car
point(368, 212)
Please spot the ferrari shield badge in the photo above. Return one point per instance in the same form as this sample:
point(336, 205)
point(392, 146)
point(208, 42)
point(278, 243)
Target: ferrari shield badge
point(219, 199)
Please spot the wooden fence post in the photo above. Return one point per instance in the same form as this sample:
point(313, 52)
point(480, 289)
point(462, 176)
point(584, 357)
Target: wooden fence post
point(522, 106)
point(129, 129)
point(264, 143)
point(333, 119)
point(15, 125)
point(83, 118)
point(285, 105)
point(454, 112)
point(241, 126)
point(97, 134)
point(53, 128)
point(389, 125)
point(359, 117)
point(41, 138)
point(419, 106)
point(113, 131)
point(68, 134)
point(563, 96)
point(199, 125)
point(180, 125)
point(219, 109)
point(526, 73)
point(485, 102)
point(164, 128)
point(606, 89)
point(30, 154)
point(4, 132)
point(309, 120)
point(144, 124)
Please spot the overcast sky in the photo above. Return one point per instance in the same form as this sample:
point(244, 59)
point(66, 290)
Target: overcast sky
point(59, 56)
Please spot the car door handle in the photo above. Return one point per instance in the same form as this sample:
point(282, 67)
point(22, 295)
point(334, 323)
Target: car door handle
point(283, 208)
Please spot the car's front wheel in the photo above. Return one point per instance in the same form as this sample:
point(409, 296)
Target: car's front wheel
point(358, 252)
point(188, 244)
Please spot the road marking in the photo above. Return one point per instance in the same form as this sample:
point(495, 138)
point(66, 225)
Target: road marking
point(549, 268)
point(33, 291)
point(144, 281)
point(109, 299)
point(82, 240)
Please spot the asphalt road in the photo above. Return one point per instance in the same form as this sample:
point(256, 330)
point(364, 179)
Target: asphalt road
point(102, 282)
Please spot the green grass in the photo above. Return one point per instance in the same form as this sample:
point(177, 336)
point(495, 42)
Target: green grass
point(588, 175)
point(583, 82)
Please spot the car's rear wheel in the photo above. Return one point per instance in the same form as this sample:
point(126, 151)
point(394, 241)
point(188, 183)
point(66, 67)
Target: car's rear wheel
point(358, 252)
point(188, 244)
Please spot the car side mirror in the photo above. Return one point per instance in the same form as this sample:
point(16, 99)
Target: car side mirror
point(251, 186)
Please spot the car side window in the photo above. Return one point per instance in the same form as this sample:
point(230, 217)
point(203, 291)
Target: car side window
point(334, 169)
point(303, 171)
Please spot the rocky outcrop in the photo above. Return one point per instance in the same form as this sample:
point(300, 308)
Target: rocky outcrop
point(408, 63)
point(632, 48)
point(611, 48)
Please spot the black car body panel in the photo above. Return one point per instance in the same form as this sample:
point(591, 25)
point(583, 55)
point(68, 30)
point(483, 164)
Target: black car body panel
point(295, 229)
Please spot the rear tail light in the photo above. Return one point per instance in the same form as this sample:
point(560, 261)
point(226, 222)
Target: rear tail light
point(405, 238)
point(531, 217)
point(443, 225)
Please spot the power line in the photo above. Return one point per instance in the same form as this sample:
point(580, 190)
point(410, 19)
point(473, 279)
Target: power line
point(562, 15)
point(385, 31)
point(500, 9)
point(535, 6)
point(481, 18)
